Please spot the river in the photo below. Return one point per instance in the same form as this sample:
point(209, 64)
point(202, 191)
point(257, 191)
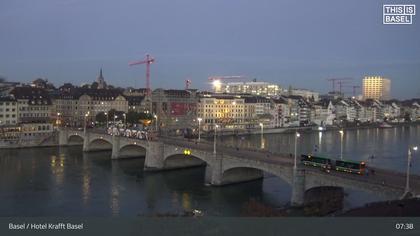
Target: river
point(67, 182)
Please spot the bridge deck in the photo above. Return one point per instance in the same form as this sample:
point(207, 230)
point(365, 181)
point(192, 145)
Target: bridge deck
point(384, 177)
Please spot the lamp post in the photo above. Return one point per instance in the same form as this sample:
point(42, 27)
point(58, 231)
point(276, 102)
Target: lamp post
point(115, 117)
point(407, 182)
point(156, 122)
point(125, 120)
point(84, 128)
point(214, 141)
point(341, 144)
point(296, 139)
point(199, 128)
point(106, 114)
point(262, 135)
point(58, 119)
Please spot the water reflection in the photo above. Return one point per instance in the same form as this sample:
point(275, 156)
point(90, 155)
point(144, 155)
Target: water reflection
point(86, 179)
point(387, 145)
point(115, 192)
point(67, 182)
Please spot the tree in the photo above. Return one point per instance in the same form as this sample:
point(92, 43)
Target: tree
point(145, 116)
point(133, 117)
point(94, 85)
point(101, 117)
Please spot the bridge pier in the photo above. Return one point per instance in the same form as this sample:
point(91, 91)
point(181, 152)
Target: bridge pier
point(86, 141)
point(115, 147)
point(214, 174)
point(63, 137)
point(298, 187)
point(154, 156)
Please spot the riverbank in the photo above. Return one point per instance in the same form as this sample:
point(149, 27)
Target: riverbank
point(307, 129)
point(395, 208)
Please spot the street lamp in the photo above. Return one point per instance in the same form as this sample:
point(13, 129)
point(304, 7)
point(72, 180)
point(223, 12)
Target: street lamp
point(199, 128)
point(58, 119)
point(262, 135)
point(106, 114)
point(407, 182)
point(341, 144)
point(156, 121)
point(84, 128)
point(214, 141)
point(115, 117)
point(296, 139)
point(125, 120)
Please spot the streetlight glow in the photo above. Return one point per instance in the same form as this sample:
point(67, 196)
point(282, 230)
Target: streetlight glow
point(199, 128)
point(341, 144)
point(214, 140)
point(295, 160)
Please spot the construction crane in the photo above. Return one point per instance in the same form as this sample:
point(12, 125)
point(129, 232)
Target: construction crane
point(338, 80)
point(148, 61)
point(355, 87)
point(340, 85)
point(187, 84)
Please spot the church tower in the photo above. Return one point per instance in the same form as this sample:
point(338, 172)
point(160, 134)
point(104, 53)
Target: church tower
point(101, 81)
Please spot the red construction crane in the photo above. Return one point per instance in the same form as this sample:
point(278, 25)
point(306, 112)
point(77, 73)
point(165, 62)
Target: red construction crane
point(148, 61)
point(187, 84)
point(334, 80)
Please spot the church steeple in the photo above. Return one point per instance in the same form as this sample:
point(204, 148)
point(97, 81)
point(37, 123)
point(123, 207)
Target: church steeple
point(100, 80)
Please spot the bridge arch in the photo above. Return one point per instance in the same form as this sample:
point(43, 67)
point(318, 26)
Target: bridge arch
point(239, 170)
point(180, 160)
point(98, 144)
point(75, 139)
point(132, 150)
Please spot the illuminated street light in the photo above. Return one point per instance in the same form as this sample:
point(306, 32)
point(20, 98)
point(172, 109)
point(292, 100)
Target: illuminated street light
point(214, 141)
point(86, 115)
point(125, 120)
point(409, 157)
point(199, 128)
point(341, 144)
point(296, 139)
point(106, 114)
point(58, 119)
point(262, 135)
point(156, 121)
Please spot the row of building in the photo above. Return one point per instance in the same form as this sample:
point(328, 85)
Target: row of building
point(233, 107)
point(373, 87)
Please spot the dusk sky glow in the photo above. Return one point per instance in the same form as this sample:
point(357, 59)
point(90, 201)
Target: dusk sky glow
point(289, 42)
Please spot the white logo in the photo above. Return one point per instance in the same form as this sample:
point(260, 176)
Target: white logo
point(398, 14)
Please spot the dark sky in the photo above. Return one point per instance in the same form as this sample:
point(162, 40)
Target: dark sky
point(289, 42)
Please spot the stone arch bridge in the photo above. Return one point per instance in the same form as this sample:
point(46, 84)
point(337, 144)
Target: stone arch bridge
point(230, 166)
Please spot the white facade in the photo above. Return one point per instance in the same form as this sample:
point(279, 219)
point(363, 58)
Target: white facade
point(254, 88)
point(228, 112)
